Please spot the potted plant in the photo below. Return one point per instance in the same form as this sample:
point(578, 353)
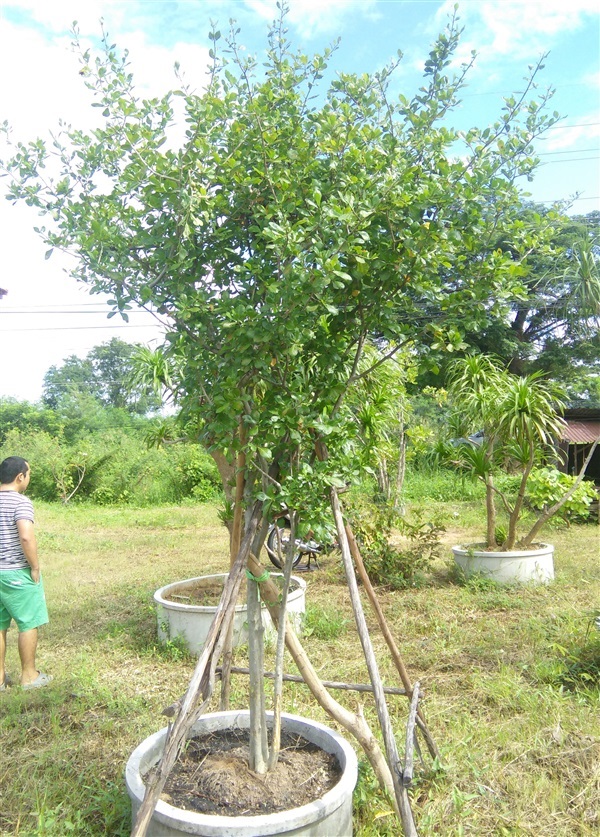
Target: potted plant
point(284, 235)
point(185, 610)
point(514, 425)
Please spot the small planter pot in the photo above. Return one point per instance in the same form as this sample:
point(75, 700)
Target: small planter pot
point(329, 816)
point(192, 622)
point(533, 566)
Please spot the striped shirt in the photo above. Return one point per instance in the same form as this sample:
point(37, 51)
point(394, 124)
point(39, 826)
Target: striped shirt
point(13, 507)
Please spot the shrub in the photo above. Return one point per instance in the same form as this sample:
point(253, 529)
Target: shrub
point(394, 565)
point(547, 485)
point(116, 468)
point(197, 474)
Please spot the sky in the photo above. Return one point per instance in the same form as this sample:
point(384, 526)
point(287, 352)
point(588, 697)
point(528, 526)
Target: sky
point(47, 316)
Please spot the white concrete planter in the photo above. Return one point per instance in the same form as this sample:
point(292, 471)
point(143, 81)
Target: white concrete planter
point(192, 622)
point(534, 566)
point(329, 816)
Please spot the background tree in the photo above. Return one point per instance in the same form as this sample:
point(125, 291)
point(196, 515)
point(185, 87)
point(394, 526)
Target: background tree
point(26, 417)
point(106, 374)
point(552, 324)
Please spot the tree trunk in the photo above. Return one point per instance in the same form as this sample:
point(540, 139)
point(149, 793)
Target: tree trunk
point(234, 545)
point(400, 473)
point(516, 512)
point(259, 748)
point(355, 724)
point(490, 506)
point(279, 651)
point(527, 540)
point(227, 472)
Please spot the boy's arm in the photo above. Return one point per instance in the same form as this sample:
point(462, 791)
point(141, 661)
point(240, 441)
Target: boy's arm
point(29, 546)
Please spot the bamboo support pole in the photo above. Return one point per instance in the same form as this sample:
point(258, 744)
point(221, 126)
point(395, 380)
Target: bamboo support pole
point(401, 795)
point(387, 634)
point(329, 684)
point(199, 684)
point(407, 773)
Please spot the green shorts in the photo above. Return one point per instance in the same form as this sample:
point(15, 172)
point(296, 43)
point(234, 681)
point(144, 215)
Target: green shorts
point(21, 599)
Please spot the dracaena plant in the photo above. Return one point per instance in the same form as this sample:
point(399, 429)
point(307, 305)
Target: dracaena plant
point(518, 424)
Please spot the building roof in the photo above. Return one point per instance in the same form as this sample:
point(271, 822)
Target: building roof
point(588, 412)
point(581, 432)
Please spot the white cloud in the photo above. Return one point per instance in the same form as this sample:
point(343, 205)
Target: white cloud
point(592, 80)
point(58, 15)
point(585, 129)
point(517, 28)
point(44, 81)
point(315, 17)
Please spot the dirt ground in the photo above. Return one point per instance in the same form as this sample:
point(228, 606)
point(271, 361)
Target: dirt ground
point(206, 592)
point(213, 777)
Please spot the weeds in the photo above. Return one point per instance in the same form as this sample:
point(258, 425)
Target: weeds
point(323, 623)
point(404, 561)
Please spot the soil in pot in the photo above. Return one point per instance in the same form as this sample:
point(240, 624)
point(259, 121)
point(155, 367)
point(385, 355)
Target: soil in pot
point(212, 776)
point(206, 592)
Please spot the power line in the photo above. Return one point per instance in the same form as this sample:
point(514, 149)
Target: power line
point(569, 200)
point(571, 151)
point(99, 305)
point(577, 125)
point(39, 312)
point(79, 328)
point(572, 160)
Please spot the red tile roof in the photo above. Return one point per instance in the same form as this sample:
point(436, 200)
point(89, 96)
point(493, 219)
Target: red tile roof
point(581, 432)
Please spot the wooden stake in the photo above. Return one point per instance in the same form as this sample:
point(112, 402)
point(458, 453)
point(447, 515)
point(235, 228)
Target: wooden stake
point(199, 684)
point(407, 774)
point(387, 634)
point(329, 684)
point(406, 817)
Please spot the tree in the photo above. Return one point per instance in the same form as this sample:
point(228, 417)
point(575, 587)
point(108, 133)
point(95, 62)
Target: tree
point(26, 417)
point(286, 232)
point(106, 374)
point(74, 376)
point(552, 323)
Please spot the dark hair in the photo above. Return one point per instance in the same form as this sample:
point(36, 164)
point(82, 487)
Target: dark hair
point(11, 468)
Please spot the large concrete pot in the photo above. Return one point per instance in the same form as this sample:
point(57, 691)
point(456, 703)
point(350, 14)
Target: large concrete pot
point(192, 622)
point(533, 566)
point(329, 816)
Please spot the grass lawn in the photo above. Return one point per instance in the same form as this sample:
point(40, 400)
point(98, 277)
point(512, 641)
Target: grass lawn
point(511, 678)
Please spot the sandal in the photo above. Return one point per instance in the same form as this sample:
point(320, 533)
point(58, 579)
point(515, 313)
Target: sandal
point(41, 680)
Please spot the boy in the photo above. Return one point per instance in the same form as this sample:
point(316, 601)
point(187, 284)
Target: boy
point(21, 590)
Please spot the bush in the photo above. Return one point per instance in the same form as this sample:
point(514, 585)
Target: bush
point(116, 468)
point(548, 485)
point(198, 475)
point(396, 566)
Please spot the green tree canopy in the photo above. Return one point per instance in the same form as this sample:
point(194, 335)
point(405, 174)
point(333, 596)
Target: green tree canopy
point(553, 325)
point(26, 417)
point(290, 227)
point(107, 374)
